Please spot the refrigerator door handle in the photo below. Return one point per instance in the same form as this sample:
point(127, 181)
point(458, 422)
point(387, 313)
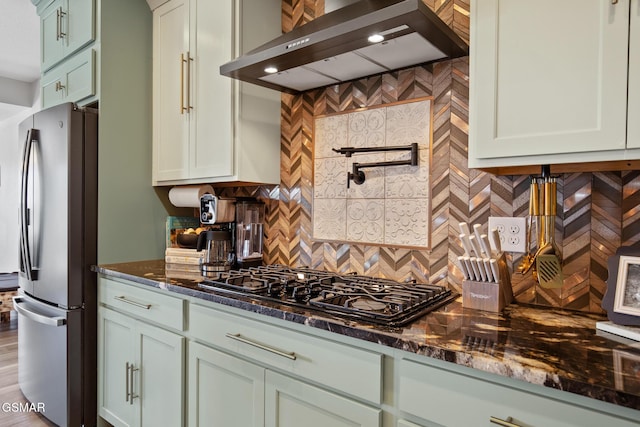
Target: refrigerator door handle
point(25, 249)
point(37, 317)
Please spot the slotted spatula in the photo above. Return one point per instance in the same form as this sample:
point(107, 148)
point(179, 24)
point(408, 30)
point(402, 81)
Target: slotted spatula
point(548, 265)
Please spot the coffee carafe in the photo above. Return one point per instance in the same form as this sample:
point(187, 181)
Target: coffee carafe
point(219, 256)
point(249, 232)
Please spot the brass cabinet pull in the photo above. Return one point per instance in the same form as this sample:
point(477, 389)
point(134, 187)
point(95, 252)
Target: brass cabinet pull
point(614, 1)
point(137, 304)
point(62, 15)
point(189, 60)
point(504, 423)
point(182, 61)
point(59, 86)
point(289, 355)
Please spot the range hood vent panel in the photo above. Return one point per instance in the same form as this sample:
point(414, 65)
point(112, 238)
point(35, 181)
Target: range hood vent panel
point(333, 48)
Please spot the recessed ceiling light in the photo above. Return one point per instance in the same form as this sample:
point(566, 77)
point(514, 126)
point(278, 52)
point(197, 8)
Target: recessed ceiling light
point(271, 70)
point(375, 38)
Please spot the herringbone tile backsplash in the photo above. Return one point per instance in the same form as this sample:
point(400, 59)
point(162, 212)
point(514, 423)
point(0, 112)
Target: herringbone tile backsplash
point(598, 212)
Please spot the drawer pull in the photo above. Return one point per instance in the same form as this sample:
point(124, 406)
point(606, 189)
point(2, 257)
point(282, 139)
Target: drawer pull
point(137, 304)
point(504, 423)
point(289, 355)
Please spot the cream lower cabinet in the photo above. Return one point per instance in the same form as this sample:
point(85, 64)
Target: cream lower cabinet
point(263, 375)
point(223, 390)
point(548, 82)
point(289, 402)
point(141, 360)
point(443, 397)
point(141, 372)
point(227, 391)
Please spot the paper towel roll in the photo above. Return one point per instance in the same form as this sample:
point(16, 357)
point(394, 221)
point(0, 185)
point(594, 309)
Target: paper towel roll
point(188, 196)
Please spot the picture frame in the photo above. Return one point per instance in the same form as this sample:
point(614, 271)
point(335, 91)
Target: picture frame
point(627, 293)
point(626, 367)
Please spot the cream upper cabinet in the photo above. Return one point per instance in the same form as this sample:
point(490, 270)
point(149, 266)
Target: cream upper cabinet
point(207, 127)
point(548, 81)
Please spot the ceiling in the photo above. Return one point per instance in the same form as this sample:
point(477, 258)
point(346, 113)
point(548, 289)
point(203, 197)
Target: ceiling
point(19, 51)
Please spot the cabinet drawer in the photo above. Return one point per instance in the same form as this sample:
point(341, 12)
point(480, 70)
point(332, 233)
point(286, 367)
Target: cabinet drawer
point(325, 362)
point(454, 399)
point(149, 305)
point(70, 81)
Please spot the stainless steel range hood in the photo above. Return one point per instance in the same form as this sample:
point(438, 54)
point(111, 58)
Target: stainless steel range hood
point(334, 48)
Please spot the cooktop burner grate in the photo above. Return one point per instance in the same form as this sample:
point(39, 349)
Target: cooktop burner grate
point(353, 296)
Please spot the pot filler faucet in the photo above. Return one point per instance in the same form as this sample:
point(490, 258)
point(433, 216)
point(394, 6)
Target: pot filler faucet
point(357, 175)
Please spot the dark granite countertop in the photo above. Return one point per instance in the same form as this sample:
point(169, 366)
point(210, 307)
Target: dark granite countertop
point(554, 348)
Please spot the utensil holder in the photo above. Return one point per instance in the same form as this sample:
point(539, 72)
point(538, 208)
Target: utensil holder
point(489, 296)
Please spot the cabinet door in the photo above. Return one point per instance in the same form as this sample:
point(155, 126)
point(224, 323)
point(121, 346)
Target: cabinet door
point(224, 390)
point(547, 77)
point(289, 401)
point(71, 81)
point(451, 398)
point(51, 48)
point(159, 378)
point(170, 75)
point(116, 338)
point(633, 130)
point(212, 29)
point(78, 25)
point(66, 26)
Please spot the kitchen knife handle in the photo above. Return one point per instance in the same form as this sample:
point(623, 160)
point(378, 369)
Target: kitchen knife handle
point(486, 247)
point(475, 245)
point(504, 423)
point(464, 228)
point(494, 238)
point(466, 245)
point(463, 268)
point(238, 337)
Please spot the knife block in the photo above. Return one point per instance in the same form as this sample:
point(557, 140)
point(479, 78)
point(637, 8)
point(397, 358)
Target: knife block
point(489, 296)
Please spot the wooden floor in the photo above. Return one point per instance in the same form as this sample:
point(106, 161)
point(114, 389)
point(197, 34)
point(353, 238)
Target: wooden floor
point(9, 391)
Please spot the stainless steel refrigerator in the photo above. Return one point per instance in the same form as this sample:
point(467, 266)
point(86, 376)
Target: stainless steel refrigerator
point(56, 303)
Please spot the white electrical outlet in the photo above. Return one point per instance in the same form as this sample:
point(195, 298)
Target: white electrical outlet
point(512, 230)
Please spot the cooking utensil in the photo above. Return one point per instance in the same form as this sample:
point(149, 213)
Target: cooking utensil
point(548, 264)
point(534, 211)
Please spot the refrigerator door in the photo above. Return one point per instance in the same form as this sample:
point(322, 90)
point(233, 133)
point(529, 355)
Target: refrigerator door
point(48, 356)
point(52, 212)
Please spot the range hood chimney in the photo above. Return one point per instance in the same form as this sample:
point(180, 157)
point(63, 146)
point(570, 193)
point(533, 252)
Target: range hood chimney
point(335, 47)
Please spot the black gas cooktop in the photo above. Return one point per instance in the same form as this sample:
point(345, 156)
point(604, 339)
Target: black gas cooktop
point(363, 298)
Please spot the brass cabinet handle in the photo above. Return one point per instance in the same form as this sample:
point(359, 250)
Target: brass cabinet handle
point(137, 304)
point(129, 383)
point(182, 61)
point(238, 337)
point(614, 1)
point(189, 60)
point(504, 423)
point(59, 86)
